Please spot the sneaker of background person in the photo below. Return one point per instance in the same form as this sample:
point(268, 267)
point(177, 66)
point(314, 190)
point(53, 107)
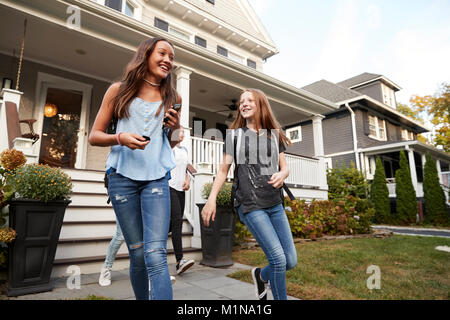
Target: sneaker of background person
point(183, 265)
point(105, 277)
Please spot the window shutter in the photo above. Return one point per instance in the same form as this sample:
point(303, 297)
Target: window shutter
point(366, 123)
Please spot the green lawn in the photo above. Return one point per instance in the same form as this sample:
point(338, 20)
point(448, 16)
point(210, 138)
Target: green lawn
point(410, 268)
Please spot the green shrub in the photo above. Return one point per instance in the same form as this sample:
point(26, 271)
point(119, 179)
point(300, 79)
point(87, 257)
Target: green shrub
point(223, 197)
point(343, 182)
point(435, 207)
point(379, 195)
point(405, 194)
point(40, 182)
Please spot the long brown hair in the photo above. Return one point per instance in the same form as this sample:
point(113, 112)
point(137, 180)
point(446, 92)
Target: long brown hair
point(133, 77)
point(265, 118)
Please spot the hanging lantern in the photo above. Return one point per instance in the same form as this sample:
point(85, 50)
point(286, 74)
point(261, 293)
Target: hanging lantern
point(50, 110)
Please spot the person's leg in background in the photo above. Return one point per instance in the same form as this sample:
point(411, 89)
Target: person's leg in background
point(177, 201)
point(113, 248)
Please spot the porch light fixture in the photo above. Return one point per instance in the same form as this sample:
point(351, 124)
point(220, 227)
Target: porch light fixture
point(7, 83)
point(50, 110)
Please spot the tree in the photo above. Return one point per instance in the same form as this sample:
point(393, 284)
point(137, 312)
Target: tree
point(435, 207)
point(413, 113)
point(438, 108)
point(379, 195)
point(405, 193)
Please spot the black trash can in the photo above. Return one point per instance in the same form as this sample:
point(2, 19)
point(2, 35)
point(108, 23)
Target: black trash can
point(218, 238)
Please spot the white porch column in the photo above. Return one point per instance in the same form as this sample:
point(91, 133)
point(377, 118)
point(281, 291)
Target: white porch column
point(412, 167)
point(438, 167)
point(10, 95)
point(183, 86)
point(319, 149)
point(203, 175)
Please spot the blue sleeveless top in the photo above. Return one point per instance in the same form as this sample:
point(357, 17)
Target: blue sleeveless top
point(157, 158)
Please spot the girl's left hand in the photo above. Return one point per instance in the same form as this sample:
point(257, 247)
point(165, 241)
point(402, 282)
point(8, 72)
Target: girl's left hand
point(174, 119)
point(276, 180)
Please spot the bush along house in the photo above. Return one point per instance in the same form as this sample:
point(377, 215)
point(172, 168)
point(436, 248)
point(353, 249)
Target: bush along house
point(74, 49)
point(367, 125)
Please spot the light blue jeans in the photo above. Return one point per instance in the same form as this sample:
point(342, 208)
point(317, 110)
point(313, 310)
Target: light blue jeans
point(271, 229)
point(114, 246)
point(143, 211)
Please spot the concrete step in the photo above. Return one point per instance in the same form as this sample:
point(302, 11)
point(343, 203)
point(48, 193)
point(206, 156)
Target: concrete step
point(94, 264)
point(70, 248)
point(89, 229)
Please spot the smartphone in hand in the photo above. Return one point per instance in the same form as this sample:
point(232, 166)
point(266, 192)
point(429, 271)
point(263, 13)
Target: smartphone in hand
point(175, 107)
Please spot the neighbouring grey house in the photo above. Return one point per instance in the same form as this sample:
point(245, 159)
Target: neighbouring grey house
point(367, 125)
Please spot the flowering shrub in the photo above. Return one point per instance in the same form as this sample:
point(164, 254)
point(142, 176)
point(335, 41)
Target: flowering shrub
point(329, 217)
point(7, 235)
point(11, 159)
point(41, 182)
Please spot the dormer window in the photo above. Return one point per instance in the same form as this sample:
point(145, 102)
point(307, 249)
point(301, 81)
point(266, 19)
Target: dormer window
point(388, 96)
point(128, 7)
point(294, 134)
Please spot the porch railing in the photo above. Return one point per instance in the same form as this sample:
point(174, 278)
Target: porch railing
point(303, 171)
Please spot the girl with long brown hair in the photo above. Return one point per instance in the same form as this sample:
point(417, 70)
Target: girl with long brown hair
point(139, 163)
point(256, 144)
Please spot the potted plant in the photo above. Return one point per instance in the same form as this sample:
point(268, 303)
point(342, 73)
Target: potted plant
point(36, 213)
point(217, 239)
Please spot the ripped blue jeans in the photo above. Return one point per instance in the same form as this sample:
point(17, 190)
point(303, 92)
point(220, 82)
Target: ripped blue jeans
point(143, 211)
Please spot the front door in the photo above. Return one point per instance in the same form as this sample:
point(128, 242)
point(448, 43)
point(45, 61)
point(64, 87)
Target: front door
point(62, 114)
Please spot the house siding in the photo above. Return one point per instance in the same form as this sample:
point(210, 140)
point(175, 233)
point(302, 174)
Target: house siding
point(372, 90)
point(306, 146)
point(337, 133)
point(343, 160)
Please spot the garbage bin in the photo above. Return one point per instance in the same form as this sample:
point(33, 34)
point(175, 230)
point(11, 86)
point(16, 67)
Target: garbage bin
point(218, 238)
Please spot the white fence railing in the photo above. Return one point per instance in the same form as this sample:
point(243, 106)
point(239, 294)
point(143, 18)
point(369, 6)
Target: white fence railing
point(304, 171)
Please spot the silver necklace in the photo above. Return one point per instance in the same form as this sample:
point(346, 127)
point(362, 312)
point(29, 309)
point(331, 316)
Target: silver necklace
point(151, 83)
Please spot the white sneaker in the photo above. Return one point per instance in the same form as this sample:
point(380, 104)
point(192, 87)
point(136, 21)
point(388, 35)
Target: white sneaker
point(183, 265)
point(173, 279)
point(105, 277)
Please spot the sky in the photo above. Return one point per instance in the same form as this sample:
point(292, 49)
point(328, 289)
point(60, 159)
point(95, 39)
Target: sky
point(407, 41)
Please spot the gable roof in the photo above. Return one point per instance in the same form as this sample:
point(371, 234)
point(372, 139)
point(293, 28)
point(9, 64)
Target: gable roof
point(330, 91)
point(365, 78)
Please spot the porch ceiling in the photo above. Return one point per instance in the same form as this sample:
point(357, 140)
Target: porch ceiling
point(57, 45)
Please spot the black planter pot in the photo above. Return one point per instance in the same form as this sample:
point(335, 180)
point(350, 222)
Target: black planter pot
point(218, 238)
point(31, 254)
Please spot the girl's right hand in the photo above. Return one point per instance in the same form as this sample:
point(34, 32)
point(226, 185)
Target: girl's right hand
point(133, 140)
point(209, 212)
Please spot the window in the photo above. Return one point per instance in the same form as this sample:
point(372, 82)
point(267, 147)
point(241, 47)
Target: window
point(179, 33)
point(222, 51)
point(388, 96)
point(210, 1)
point(120, 5)
point(377, 128)
point(161, 24)
point(251, 63)
point(201, 42)
point(294, 134)
point(407, 135)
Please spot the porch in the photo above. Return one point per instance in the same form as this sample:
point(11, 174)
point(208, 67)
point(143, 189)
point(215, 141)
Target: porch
point(415, 152)
point(71, 70)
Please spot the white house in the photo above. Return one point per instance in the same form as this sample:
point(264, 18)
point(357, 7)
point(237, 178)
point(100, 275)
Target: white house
point(74, 49)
